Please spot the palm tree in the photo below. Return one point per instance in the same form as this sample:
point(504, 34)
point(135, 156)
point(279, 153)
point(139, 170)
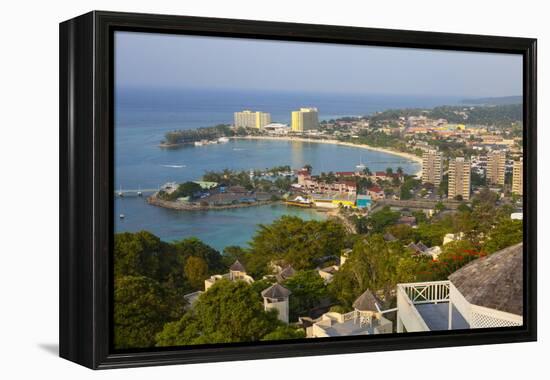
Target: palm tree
point(367, 171)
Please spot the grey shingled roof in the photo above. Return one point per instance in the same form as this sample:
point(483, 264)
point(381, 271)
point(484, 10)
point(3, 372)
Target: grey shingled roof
point(287, 272)
point(237, 267)
point(389, 237)
point(494, 281)
point(366, 301)
point(276, 291)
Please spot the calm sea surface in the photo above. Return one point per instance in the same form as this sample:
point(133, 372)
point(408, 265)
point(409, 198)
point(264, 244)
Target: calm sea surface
point(143, 117)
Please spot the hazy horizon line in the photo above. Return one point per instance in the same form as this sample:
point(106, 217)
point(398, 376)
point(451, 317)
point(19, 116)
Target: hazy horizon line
point(310, 92)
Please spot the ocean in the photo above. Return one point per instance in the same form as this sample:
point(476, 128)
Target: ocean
point(143, 116)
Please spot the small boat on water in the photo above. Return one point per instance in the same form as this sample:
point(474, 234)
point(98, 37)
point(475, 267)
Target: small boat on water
point(300, 202)
point(121, 216)
point(361, 165)
point(223, 139)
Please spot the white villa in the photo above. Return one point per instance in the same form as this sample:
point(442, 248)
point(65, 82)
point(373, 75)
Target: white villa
point(488, 292)
point(365, 319)
point(327, 273)
point(276, 298)
point(236, 272)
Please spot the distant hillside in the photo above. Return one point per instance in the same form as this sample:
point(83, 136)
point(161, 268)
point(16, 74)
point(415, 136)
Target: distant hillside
point(494, 101)
point(502, 115)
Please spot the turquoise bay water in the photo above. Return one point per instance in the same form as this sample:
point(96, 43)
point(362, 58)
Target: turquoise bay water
point(220, 228)
point(142, 117)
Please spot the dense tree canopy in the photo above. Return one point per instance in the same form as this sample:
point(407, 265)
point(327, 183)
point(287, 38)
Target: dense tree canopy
point(186, 189)
point(378, 221)
point(196, 271)
point(372, 264)
point(228, 312)
point(141, 308)
point(285, 332)
point(308, 288)
point(138, 254)
point(299, 243)
point(506, 233)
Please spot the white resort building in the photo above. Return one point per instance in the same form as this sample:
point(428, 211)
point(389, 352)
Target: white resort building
point(236, 272)
point(276, 298)
point(365, 319)
point(488, 292)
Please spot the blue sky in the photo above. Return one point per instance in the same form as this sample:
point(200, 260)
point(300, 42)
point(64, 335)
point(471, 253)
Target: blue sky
point(158, 60)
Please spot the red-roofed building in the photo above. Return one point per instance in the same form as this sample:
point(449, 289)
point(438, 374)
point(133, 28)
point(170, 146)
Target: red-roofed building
point(376, 193)
point(385, 176)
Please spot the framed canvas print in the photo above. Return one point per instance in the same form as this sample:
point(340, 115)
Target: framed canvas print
point(237, 189)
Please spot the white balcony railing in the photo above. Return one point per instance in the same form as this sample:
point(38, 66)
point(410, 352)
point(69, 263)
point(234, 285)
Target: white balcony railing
point(412, 294)
point(426, 292)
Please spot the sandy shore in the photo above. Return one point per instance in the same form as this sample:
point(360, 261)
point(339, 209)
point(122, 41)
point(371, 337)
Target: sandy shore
point(408, 156)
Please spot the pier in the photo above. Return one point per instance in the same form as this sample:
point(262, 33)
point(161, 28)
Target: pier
point(134, 192)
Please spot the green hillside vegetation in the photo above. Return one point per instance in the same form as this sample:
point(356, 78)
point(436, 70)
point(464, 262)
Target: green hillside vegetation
point(228, 312)
point(151, 276)
point(500, 115)
point(192, 135)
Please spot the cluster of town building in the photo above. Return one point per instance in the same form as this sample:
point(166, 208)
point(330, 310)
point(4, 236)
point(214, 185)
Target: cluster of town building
point(342, 191)
point(460, 170)
point(485, 293)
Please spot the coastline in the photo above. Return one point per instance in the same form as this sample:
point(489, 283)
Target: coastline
point(155, 201)
point(408, 156)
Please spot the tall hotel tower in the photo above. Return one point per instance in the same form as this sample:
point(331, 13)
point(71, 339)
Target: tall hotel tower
point(496, 167)
point(305, 119)
point(432, 167)
point(251, 119)
point(459, 178)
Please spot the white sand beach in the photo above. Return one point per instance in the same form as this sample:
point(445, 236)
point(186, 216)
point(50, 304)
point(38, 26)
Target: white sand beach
point(408, 156)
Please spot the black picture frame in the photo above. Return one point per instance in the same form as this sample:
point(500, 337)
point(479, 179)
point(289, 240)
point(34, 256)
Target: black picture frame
point(86, 186)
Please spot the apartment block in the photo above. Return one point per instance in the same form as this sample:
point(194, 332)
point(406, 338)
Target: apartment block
point(432, 167)
point(496, 167)
point(459, 178)
point(517, 177)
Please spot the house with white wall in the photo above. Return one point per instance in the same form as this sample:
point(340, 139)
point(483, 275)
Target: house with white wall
point(487, 292)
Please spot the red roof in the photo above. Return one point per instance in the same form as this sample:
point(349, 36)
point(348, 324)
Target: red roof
point(349, 183)
point(375, 189)
point(380, 174)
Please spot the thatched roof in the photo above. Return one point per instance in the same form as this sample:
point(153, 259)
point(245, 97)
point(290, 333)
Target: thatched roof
point(237, 267)
point(366, 302)
point(494, 281)
point(276, 291)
